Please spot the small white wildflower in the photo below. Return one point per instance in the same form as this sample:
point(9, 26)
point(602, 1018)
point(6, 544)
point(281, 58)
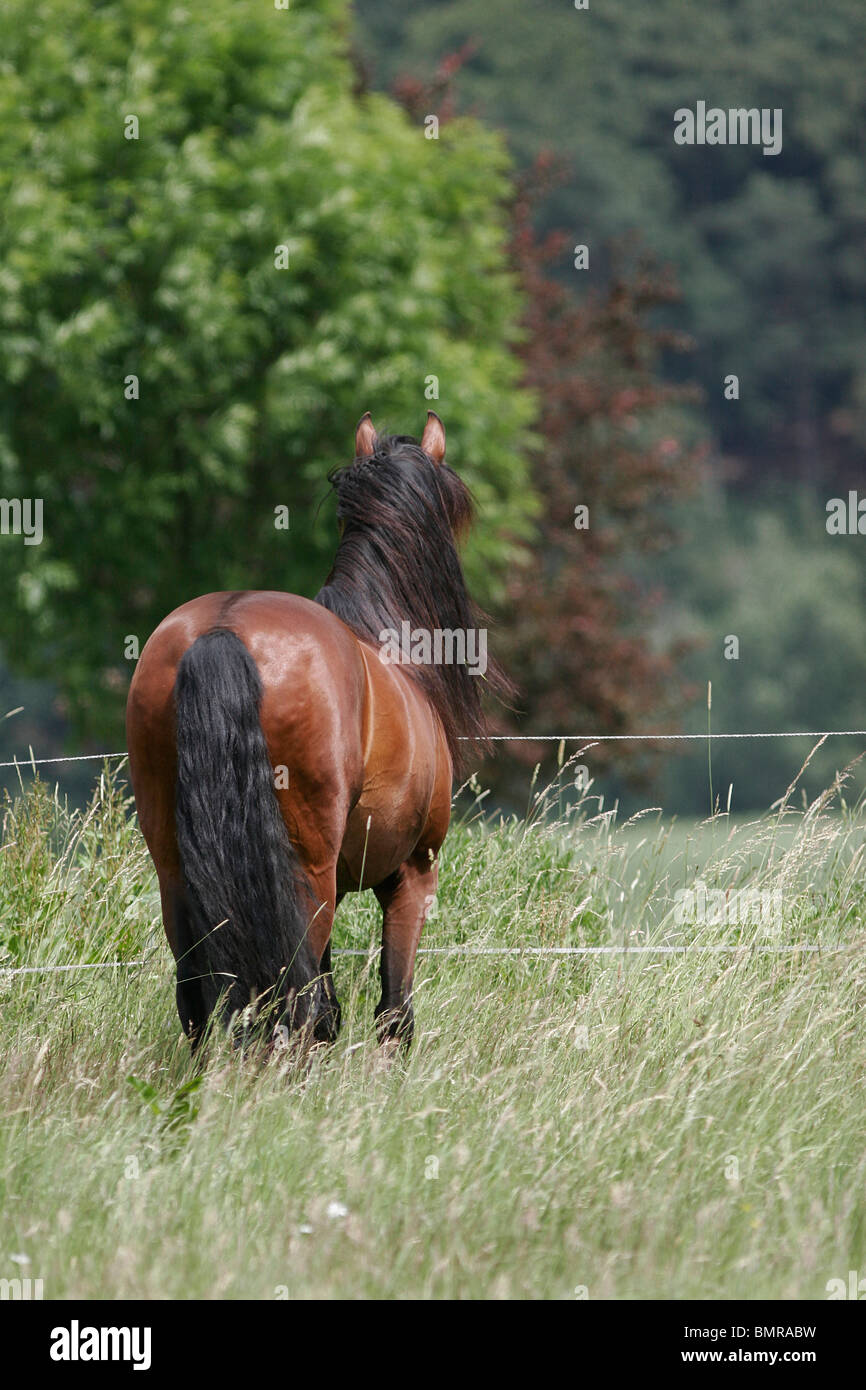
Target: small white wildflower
point(336, 1211)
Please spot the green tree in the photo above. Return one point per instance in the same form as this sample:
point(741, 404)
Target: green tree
point(146, 248)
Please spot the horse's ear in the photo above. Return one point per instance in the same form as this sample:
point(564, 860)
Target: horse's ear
point(365, 437)
point(433, 438)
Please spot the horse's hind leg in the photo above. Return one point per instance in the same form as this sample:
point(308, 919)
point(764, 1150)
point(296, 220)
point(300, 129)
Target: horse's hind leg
point(326, 1024)
point(177, 920)
point(406, 899)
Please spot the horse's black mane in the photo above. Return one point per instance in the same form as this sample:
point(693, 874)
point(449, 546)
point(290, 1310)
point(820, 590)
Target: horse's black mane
point(397, 561)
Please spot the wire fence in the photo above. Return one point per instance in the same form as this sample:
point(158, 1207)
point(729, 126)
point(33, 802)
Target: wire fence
point(585, 739)
point(529, 952)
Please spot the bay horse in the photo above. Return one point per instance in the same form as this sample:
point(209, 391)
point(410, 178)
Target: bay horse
point(278, 761)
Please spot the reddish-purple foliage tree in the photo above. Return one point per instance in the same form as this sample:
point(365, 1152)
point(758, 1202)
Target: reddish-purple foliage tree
point(577, 624)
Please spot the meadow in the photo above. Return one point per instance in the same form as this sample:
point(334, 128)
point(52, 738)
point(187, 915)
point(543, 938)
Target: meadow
point(628, 1125)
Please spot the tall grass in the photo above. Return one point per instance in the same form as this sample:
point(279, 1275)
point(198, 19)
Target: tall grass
point(630, 1125)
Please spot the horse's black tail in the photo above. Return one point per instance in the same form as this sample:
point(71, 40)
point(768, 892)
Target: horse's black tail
point(248, 900)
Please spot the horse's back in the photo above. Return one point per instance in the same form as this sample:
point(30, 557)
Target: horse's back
point(254, 614)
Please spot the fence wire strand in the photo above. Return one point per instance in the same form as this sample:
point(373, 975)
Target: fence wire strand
point(535, 738)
